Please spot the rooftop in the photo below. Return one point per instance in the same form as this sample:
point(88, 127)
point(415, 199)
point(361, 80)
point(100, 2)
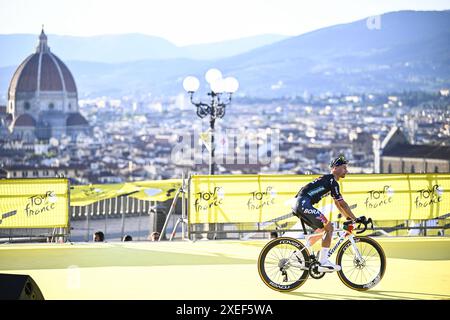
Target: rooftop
point(419, 151)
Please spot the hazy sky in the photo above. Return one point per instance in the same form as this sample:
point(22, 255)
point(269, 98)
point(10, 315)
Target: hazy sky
point(193, 21)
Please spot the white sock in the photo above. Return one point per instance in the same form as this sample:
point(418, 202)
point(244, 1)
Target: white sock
point(323, 255)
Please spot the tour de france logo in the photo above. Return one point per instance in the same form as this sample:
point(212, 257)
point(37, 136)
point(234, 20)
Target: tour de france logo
point(428, 196)
point(38, 204)
point(208, 199)
point(259, 199)
point(378, 198)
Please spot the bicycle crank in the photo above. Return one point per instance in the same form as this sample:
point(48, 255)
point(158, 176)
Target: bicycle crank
point(314, 271)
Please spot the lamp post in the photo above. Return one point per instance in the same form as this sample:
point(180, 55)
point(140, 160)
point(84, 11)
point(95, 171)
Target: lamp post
point(216, 107)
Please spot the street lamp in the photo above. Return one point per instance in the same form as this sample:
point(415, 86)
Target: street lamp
point(216, 108)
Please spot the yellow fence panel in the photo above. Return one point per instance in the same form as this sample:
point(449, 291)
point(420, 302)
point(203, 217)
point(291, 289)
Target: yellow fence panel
point(34, 203)
point(262, 198)
point(86, 194)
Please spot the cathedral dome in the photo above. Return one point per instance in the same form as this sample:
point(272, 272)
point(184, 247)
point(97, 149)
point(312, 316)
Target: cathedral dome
point(42, 71)
point(43, 98)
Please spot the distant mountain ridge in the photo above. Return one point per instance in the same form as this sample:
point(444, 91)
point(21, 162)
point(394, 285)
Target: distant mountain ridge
point(125, 48)
point(410, 51)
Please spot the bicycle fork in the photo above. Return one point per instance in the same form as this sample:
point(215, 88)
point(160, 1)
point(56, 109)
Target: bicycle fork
point(355, 248)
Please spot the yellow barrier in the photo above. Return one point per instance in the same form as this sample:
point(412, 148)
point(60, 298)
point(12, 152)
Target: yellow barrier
point(87, 194)
point(34, 203)
point(262, 198)
point(154, 190)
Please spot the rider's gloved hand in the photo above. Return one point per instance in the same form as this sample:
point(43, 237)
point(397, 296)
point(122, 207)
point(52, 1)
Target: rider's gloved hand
point(361, 219)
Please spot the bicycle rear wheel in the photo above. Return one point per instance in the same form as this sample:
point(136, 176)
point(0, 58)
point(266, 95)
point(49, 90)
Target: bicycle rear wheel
point(283, 264)
point(361, 274)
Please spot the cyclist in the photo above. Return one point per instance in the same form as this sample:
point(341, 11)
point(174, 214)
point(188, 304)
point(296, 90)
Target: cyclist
point(311, 194)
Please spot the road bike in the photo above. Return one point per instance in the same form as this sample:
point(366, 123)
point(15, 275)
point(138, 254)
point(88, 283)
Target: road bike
point(285, 263)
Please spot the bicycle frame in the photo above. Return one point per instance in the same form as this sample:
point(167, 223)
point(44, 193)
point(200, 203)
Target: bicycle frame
point(341, 235)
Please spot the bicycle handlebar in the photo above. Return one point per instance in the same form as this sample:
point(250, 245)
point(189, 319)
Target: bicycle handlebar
point(361, 221)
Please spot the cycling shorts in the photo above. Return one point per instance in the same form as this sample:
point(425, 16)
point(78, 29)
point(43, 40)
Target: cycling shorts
point(311, 216)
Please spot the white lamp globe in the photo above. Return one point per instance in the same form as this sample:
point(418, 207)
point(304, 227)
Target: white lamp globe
point(212, 75)
point(231, 84)
point(218, 86)
point(191, 84)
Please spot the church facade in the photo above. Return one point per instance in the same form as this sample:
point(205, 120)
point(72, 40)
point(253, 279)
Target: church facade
point(395, 154)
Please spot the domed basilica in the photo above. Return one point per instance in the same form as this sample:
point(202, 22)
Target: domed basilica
point(43, 98)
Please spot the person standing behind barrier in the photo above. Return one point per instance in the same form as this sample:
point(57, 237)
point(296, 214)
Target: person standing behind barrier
point(127, 238)
point(99, 237)
point(154, 236)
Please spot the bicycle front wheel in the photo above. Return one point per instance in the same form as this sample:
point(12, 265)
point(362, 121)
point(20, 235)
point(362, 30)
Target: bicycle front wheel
point(283, 264)
point(361, 272)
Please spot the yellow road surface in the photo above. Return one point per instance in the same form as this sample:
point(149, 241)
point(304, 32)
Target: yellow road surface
point(417, 268)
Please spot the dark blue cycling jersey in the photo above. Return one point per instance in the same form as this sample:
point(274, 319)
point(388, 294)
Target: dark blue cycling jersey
point(320, 188)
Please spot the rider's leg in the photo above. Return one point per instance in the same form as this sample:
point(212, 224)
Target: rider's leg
point(325, 264)
point(315, 219)
point(328, 227)
point(316, 236)
point(326, 242)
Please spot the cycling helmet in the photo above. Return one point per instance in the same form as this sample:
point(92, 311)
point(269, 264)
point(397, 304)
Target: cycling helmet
point(340, 160)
